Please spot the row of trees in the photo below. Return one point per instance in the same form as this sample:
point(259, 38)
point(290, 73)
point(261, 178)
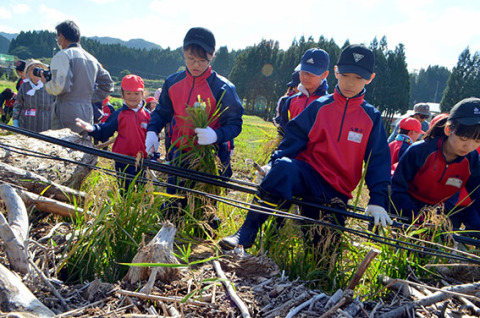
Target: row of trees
point(261, 71)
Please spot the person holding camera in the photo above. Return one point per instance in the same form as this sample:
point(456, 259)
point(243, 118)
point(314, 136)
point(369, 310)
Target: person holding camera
point(76, 78)
point(33, 106)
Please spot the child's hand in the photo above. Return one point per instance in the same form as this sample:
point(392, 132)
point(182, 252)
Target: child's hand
point(379, 214)
point(206, 136)
point(151, 142)
point(83, 124)
point(261, 174)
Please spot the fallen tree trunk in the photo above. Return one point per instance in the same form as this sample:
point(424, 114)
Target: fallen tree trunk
point(14, 232)
point(38, 184)
point(49, 205)
point(15, 296)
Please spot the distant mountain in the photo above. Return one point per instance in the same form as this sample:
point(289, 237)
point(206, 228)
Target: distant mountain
point(4, 44)
point(9, 36)
point(133, 43)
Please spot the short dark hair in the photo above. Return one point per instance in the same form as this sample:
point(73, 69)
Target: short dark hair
point(7, 94)
point(196, 50)
point(69, 30)
point(437, 130)
point(403, 131)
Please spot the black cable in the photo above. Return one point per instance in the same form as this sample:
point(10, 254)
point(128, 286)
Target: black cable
point(207, 178)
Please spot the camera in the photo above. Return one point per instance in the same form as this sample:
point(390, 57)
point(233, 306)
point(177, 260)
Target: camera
point(37, 71)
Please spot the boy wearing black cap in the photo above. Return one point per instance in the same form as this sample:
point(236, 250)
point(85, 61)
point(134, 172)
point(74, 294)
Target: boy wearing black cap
point(313, 71)
point(325, 148)
point(183, 89)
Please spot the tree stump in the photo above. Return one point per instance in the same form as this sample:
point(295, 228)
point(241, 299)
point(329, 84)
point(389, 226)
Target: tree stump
point(159, 250)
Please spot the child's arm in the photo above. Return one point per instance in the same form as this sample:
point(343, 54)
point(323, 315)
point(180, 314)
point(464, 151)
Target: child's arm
point(296, 132)
point(405, 172)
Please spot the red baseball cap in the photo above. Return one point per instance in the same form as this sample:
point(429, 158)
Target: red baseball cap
point(410, 123)
point(132, 83)
point(150, 100)
point(437, 118)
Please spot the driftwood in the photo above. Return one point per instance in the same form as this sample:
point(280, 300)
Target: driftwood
point(159, 250)
point(49, 205)
point(228, 286)
point(161, 298)
point(299, 308)
point(15, 296)
point(14, 233)
point(449, 292)
point(39, 184)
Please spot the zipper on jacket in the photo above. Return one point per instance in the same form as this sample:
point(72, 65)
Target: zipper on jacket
point(443, 173)
point(343, 117)
point(191, 91)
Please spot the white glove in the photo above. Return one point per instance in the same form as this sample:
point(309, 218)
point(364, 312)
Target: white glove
point(151, 142)
point(83, 124)
point(15, 123)
point(206, 136)
point(379, 214)
point(261, 176)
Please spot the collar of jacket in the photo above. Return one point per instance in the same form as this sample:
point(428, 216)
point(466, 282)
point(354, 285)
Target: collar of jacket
point(201, 77)
point(358, 99)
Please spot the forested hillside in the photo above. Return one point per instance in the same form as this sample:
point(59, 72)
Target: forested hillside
point(261, 71)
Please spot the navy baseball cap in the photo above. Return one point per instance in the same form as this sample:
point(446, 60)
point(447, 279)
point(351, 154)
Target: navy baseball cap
point(357, 59)
point(314, 61)
point(202, 37)
point(295, 79)
point(466, 111)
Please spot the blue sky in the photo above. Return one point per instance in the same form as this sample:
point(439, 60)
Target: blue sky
point(433, 32)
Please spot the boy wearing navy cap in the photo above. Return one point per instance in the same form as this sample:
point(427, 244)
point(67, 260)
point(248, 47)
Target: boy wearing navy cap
point(313, 71)
point(324, 151)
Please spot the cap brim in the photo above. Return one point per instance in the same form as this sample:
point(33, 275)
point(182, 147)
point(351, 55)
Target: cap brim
point(354, 69)
point(310, 69)
point(207, 48)
point(468, 121)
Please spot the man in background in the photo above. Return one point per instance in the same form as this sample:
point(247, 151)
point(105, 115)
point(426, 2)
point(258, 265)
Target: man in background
point(77, 80)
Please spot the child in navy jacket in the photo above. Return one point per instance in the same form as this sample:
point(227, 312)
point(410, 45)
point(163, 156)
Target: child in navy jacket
point(433, 171)
point(130, 122)
point(324, 150)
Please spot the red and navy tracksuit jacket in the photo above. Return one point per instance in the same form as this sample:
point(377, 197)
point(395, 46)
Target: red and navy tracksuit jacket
point(181, 90)
point(397, 148)
point(295, 104)
point(423, 177)
point(335, 135)
point(131, 127)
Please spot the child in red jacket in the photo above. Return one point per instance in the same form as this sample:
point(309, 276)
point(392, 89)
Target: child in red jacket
point(130, 122)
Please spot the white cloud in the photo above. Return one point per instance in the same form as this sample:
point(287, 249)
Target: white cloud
point(102, 1)
point(21, 8)
point(5, 14)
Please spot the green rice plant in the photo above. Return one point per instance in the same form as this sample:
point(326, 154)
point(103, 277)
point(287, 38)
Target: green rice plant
point(112, 233)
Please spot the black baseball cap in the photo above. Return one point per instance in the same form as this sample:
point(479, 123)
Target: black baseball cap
point(357, 59)
point(20, 65)
point(202, 37)
point(466, 111)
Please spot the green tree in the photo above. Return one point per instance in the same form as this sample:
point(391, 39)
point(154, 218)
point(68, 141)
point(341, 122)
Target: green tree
point(464, 81)
point(428, 84)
